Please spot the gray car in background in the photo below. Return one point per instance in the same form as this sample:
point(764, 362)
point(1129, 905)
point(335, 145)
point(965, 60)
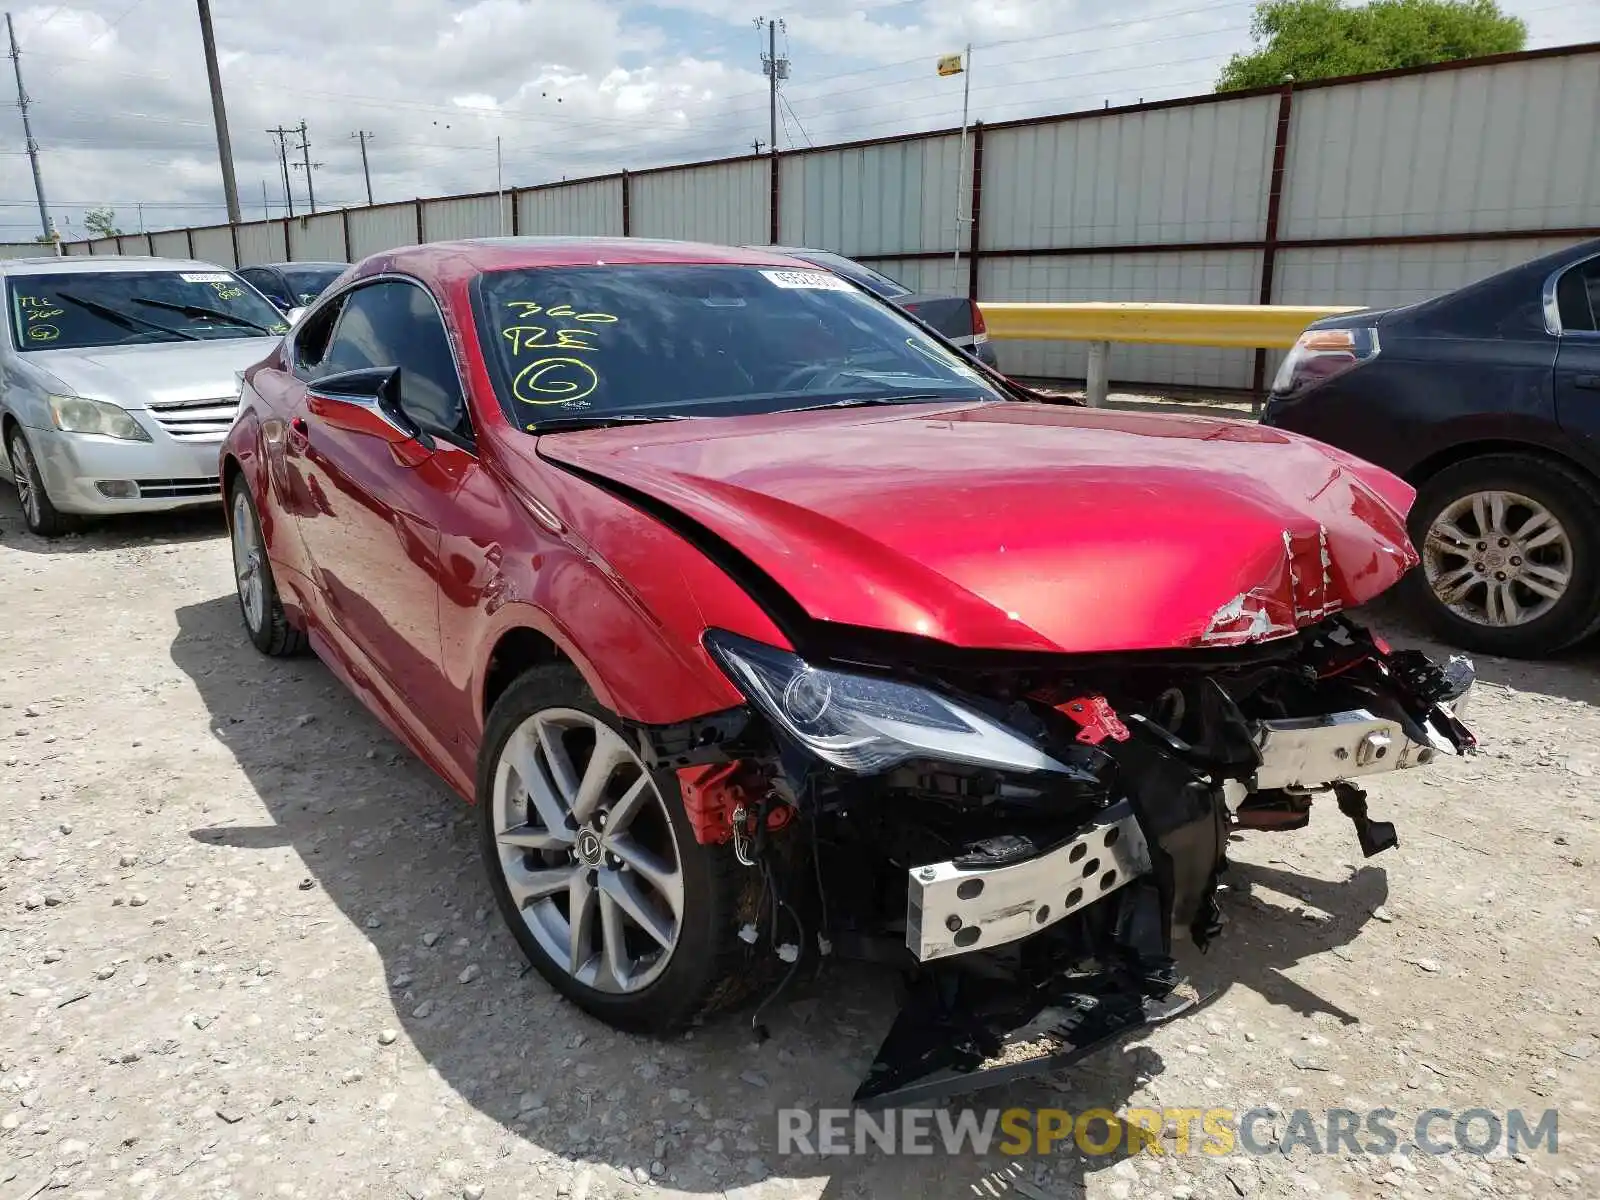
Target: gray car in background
point(119, 378)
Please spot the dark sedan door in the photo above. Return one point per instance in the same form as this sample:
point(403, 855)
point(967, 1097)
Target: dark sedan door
point(1577, 378)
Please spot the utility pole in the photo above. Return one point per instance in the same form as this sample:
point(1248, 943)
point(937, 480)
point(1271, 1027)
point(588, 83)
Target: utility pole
point(266, 212)
point(282, 135)
point(362, 135)
point(775, 69)
point(27, 133)
point(230, 186)
point(305, 149)
point(756, 144)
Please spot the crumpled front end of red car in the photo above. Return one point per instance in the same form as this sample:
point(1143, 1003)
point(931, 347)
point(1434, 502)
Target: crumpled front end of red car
point(1028, 837)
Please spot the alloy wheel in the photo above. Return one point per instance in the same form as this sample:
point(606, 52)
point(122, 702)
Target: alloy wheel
point(247, 563)
point(22, 471)
point(587, 850)
point(1497, 558)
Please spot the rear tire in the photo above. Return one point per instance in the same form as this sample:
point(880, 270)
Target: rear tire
point(42, 517)
point(259, 605)
point(613, 968)
point(1511, 555)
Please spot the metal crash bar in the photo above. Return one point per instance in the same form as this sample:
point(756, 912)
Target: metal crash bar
point(1237, 326)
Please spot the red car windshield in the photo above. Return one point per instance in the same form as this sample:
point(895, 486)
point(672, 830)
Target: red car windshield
point(670, 340)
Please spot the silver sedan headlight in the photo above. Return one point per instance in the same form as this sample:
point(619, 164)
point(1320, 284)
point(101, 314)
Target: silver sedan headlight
point(79, 414)
point(863, 723)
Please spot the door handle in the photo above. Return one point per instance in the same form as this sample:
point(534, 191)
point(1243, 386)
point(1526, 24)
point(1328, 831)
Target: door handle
point(1591, 382)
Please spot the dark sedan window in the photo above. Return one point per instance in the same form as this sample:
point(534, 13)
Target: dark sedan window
point(265, 282)
point(862, 276)
point(664, 340)
point(307, 283)
point(1578, 297)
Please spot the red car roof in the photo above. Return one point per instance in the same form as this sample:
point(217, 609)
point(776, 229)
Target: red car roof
point(447, 261)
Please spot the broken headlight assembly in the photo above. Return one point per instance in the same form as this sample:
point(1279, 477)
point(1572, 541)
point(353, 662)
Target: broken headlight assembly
point(866, 724)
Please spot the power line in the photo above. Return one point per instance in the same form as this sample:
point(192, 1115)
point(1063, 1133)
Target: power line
point(275, 84)
point(282, 135)
point(120, 18)
point(796, 117)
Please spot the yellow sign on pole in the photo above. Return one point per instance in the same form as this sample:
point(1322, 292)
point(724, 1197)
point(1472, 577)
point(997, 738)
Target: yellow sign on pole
point(950, 64)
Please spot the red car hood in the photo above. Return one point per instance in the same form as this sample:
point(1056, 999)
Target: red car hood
point(1024, 526)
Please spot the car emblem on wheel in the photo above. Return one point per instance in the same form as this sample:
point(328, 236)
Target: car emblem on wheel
point(588, 847)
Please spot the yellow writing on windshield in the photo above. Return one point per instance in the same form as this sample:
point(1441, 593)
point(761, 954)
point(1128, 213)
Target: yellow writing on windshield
point(532, 308)
point(554, 379)
point(534, 337)
point(43, 333)
point(37, 308)
point(228, 291)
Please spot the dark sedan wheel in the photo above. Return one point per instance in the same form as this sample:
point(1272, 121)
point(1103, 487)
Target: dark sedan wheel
point(595, 866)
point(1510, 549)
point(43, 518)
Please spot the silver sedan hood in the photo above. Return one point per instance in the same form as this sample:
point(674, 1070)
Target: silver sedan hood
point(154, 375)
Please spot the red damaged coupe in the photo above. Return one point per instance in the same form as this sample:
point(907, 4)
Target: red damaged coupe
point(763, 625)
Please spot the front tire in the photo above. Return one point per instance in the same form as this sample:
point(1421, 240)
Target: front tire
point(1510, 548)
point(259, 604)
point(595, 867)
point(42, 517)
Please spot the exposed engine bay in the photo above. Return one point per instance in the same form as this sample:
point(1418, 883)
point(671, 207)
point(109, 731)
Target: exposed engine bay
point(1028, 838)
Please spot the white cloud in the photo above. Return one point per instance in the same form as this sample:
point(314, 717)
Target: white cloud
point(122, 112)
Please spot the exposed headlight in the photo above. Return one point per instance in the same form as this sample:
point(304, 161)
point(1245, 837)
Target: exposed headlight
point(78, 414)
point(865, 724)
point(1320, 354)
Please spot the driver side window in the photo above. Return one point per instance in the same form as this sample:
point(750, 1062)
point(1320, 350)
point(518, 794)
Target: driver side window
point(267, 283)
point(1578, 296)
point(393, 324)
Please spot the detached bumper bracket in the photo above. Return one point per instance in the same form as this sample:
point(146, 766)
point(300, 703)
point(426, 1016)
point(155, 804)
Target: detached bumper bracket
point(937, 1049)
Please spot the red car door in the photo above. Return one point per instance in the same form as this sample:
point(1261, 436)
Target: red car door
point(371, 521)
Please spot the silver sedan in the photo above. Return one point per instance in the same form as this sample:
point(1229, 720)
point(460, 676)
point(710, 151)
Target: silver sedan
point(119, 378)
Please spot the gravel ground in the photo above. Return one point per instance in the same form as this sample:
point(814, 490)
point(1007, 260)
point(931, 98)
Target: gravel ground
point(247, 950)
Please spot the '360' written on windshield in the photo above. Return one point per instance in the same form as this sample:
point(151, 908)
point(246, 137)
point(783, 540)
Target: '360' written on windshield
point(580, 345)
point(66, 311)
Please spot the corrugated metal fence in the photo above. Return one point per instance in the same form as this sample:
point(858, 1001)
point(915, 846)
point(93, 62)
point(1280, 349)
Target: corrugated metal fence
point(1378, 190)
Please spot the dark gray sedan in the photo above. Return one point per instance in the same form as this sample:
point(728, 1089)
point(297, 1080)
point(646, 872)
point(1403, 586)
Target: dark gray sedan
point(1487, 400)
point(956, 317)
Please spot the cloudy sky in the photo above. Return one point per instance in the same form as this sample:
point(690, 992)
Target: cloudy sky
point(122, 113)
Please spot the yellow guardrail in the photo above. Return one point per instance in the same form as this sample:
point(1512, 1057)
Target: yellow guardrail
point(1245, 326)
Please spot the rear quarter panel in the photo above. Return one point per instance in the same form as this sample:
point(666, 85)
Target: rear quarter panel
point(1425, 395)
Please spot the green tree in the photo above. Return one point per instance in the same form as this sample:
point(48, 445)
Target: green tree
point(1319, 39)
point(101, 222)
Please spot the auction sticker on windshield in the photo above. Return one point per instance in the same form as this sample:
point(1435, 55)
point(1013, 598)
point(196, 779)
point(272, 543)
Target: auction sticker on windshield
point(816, 280)
point(206, 277)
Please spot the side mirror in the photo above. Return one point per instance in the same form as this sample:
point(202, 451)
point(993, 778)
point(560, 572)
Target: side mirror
point(293, 315)
point(366, 401)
